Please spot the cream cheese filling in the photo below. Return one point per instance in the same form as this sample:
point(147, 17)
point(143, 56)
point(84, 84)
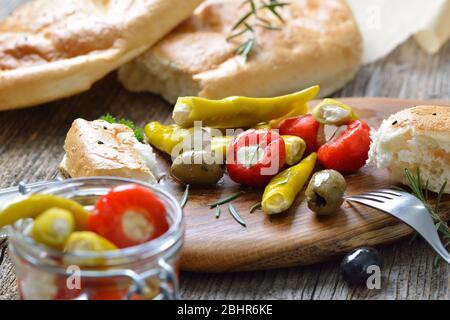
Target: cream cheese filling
point(136, 227)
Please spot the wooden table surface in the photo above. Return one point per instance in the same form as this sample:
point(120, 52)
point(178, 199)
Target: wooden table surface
point(31, 143)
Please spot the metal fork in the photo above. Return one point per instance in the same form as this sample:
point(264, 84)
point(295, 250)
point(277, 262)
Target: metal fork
point(407, 208)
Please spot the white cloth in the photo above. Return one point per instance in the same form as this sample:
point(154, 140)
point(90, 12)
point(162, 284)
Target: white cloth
point(385, 24)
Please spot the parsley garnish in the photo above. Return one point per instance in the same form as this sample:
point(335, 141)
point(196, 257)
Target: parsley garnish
point(139, 134)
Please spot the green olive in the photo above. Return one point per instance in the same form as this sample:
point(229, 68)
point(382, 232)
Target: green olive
point(197, 168)
point(325, 192)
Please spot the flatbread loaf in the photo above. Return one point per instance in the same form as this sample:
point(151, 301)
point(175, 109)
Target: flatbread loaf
point(53, 49)
point(319, 43)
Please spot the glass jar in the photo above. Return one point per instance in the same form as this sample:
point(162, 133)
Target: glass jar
point(146, 271)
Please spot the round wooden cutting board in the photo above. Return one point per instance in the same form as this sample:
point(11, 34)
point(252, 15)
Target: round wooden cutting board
point(297, 237)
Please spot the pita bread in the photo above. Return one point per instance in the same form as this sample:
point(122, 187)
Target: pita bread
point(54, 49)
point(319, 43)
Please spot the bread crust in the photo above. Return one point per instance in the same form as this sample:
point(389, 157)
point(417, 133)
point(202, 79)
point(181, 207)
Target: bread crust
point(99, 148)
point(53, 49)
point(319, 44)
point(427, 120)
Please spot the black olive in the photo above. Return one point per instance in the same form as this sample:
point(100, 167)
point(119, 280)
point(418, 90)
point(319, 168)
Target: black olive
point(355, 264)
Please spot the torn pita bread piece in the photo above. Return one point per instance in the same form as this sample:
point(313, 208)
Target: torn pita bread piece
point(100, 148)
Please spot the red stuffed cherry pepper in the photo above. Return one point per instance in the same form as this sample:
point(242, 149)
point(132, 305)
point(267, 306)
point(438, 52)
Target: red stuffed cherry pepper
point(128, 215)
point(255, 156)
point(348, 151)
point(307, 128)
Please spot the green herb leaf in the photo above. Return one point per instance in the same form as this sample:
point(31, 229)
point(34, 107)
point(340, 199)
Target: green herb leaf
point(268, 27)
point(439, 197)
point(255, 207)
point(255, 154)
point(225, 200)
point(218, 212)
point(241, 20)
point(108, 118)
point(272, 6)
point(252, 5)
point(232, 36)
point(246, 48)
point(184, 200)
point(413, 238)
point(436, 261)
point(138, 132)
point(265, 21)
point(235, 214)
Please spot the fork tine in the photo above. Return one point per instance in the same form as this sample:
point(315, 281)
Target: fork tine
point(364, 197)
point(390, 191)
point(366, 202)
point(379, 194)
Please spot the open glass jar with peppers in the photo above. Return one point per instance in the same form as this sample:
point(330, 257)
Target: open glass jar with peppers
point(96, 265)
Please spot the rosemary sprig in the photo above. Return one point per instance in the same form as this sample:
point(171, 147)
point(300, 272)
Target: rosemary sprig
point(420, 191)
point(184, 200)
point(268, 27)
point(251, 20)
point(243, 20)
point(246, 47)
point(255, 207)
point(235, 214)
point(255, 154)
point(218, 212)
point(225, 200)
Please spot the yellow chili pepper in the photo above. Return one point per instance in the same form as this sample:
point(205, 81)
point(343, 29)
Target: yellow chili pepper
point(280, 193)
point(165, 137)
point(333, 112)
point(35, 204)
point(295, 148)
point(297, 111)
point(235, 112)
point(86, 241)
point(273, 124)
point(52, 227)
point(219, 144)
point(263, 125)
